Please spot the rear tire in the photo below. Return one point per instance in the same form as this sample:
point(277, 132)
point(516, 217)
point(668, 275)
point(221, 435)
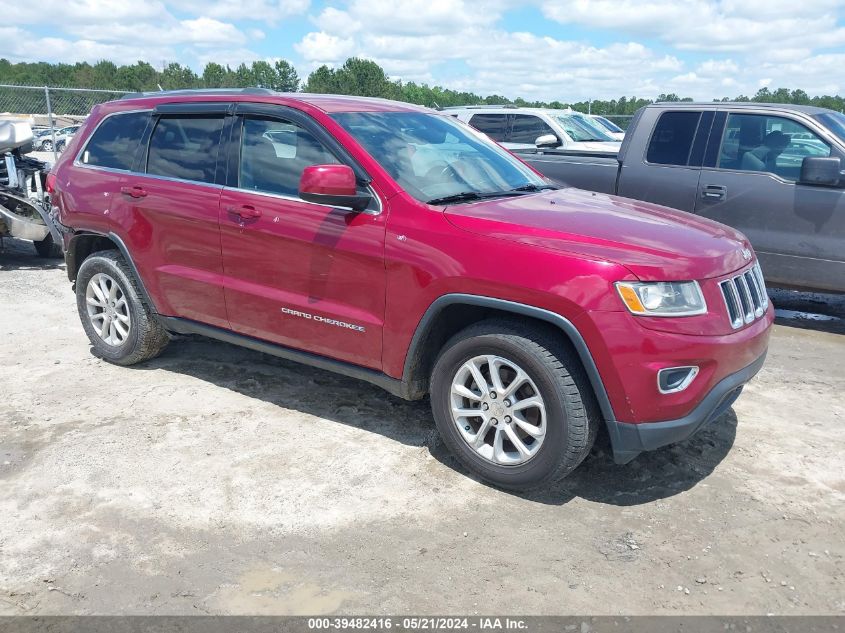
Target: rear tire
point(120, 325)
point(48, 249)
point(557, 428)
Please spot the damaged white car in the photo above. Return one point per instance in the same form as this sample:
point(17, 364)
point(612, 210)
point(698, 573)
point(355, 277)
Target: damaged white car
point(24, 201)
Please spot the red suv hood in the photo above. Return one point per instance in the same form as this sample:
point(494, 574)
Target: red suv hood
point(655, 243)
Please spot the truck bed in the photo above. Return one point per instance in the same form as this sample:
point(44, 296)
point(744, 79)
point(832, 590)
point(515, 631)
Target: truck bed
point(593, 171)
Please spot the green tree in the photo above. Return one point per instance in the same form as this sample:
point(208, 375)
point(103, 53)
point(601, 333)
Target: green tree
point(287, 77)
point(213, 75)
point(322, 80)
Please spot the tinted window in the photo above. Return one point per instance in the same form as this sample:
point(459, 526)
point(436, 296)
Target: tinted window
point(835, 122)
point(431, 156)
point(116, 140)
point(493, 125)
point(773, 144)
point(274, 153)
point(672, 139)
point(185, 147)
point(526, 128)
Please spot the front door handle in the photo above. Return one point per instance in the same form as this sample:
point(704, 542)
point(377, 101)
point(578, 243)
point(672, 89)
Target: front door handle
point(134, 191)
point(714, 192)
point(245, 211)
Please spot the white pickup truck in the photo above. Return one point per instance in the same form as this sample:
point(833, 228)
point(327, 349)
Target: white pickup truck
point(527, 128)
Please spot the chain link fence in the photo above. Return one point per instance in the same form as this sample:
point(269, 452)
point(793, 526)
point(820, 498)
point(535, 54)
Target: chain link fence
point(53, 113)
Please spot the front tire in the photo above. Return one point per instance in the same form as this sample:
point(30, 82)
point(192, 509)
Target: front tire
point(120, 325)
point(513, 404)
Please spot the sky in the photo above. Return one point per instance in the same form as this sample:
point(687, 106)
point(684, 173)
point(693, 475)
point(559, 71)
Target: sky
point(569, 50)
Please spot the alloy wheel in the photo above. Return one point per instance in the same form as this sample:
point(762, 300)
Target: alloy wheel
point(498, 410)
point(108, 309)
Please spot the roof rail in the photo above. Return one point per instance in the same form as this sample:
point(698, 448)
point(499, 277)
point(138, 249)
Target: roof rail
point(200, 91)
point(479, 107)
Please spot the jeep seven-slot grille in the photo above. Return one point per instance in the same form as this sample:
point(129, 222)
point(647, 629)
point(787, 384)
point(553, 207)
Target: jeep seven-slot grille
point(745, 296)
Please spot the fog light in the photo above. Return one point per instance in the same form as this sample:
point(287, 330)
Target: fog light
point(675, 379)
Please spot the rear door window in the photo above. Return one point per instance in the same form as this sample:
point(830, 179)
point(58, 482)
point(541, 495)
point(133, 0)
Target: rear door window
point(116, 140)
point(493, 125)
point(672, 139)
point(185, 147)
point(526, 128)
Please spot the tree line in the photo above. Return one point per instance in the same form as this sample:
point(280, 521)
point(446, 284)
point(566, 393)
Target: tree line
point(356, 76)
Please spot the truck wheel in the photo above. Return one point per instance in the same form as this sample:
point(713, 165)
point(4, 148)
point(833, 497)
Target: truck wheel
point(121, 327)
point(48, 249)
point(511, 402)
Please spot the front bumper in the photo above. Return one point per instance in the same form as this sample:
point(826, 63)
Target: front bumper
point(629, 440)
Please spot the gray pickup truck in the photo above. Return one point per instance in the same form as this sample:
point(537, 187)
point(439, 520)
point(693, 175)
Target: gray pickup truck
point(775, 172)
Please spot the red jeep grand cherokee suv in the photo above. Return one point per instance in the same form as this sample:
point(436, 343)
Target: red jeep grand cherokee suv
point(394, 244)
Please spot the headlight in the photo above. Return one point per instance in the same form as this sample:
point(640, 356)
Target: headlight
point(662, 298)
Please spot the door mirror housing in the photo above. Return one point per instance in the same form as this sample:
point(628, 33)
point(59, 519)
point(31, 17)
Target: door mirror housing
point(547, 141)
point(820, 171)
point(332, 185)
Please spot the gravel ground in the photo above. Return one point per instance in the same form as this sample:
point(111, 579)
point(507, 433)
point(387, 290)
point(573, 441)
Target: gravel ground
point(219, 480)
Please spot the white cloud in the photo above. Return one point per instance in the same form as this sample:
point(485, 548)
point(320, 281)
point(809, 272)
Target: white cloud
point(20, 45)
point(323, 48)
point(698, 48)
point(751, 26)
point(467, 45)
point(200, 31)
point(70, 12)
point(270, 11)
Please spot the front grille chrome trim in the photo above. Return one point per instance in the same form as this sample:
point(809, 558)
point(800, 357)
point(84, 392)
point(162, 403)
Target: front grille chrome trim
point(745, 296)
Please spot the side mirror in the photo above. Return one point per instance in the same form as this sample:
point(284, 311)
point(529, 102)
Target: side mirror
point(547, 141)
point(332, 185)
point(821, 171)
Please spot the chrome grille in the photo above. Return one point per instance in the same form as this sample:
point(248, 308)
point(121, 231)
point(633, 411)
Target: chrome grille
point(745, 296)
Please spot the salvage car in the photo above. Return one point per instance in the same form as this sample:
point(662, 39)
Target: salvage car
point(24, 203)
point(773, 171)
point(400, 246)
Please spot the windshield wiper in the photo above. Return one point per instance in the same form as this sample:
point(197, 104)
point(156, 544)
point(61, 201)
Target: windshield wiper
point(469, 196)
point(532, 188)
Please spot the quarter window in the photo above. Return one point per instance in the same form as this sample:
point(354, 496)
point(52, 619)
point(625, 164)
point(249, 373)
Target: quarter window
point(185, 147)
point(772, 144)
point(672, 139)
point(115, 142)
point(526, 128)
point(493, 125)
point(274, 153)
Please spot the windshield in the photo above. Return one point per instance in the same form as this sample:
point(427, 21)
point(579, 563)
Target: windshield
point(607, 123)
point(435, 156)
point(835, 122)
point(581, 129)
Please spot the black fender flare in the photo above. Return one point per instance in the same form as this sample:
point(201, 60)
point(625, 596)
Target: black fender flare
point(124, 251)
point(565, 325)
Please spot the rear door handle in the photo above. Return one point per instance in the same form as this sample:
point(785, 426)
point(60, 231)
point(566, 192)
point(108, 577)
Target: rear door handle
point(135, 191)
point(245, 211)
point(714, 192)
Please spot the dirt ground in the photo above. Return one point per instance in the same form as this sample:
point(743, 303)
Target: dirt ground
point(219, 480)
